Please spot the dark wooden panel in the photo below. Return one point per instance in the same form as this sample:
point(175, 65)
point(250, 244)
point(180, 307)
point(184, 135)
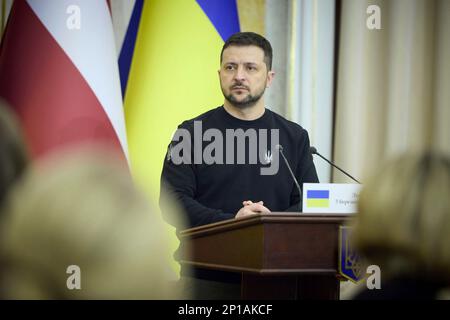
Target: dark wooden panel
point(318, 287)
point(235, 249)
point(310, 287)
point(255, 287)
point(301, 246)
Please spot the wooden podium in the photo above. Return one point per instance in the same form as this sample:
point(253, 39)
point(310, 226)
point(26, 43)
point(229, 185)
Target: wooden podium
point(280, 255)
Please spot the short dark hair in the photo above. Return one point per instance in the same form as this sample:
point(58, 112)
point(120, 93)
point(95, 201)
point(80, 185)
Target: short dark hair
point(250, 39)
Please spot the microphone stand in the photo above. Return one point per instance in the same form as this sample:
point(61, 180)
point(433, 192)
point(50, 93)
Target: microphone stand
point(280, 148)
point(314, 151)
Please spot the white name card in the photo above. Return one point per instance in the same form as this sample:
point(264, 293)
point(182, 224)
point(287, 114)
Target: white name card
point(330, 197)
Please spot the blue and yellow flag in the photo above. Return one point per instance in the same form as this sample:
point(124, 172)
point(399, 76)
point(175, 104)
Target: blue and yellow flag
point(173, 74)
point(318, 198)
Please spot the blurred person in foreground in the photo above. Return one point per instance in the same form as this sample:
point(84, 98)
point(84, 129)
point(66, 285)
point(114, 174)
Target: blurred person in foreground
point(13, 152)
point(403, 226)
point(82, 210)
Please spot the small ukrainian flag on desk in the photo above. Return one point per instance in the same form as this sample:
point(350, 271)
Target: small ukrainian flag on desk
point(318, 198)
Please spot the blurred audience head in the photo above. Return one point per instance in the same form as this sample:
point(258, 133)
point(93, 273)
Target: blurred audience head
point(82, 209)
point(13, 154)
point(403, 223)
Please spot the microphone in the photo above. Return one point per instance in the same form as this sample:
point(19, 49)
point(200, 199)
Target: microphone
point(314, 151)
point(280, 148)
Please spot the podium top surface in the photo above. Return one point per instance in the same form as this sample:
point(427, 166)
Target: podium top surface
point(273, 217)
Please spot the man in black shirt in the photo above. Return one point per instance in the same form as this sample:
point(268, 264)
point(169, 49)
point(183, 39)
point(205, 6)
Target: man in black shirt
point(225, 163)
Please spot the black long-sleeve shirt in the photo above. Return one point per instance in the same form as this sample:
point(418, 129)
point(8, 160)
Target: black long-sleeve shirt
point(214, 192)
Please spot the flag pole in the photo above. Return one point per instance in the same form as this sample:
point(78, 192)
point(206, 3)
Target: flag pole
point(3, 16)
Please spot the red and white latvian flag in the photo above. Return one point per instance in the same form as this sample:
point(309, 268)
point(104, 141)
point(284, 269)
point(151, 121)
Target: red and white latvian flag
point(59, 72)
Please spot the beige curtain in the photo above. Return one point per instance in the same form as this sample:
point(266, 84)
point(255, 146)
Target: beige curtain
point(393, 84)
point(252, 15)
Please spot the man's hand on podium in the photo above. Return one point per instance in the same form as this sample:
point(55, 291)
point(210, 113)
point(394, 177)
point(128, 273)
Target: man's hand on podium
point(250, 208)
